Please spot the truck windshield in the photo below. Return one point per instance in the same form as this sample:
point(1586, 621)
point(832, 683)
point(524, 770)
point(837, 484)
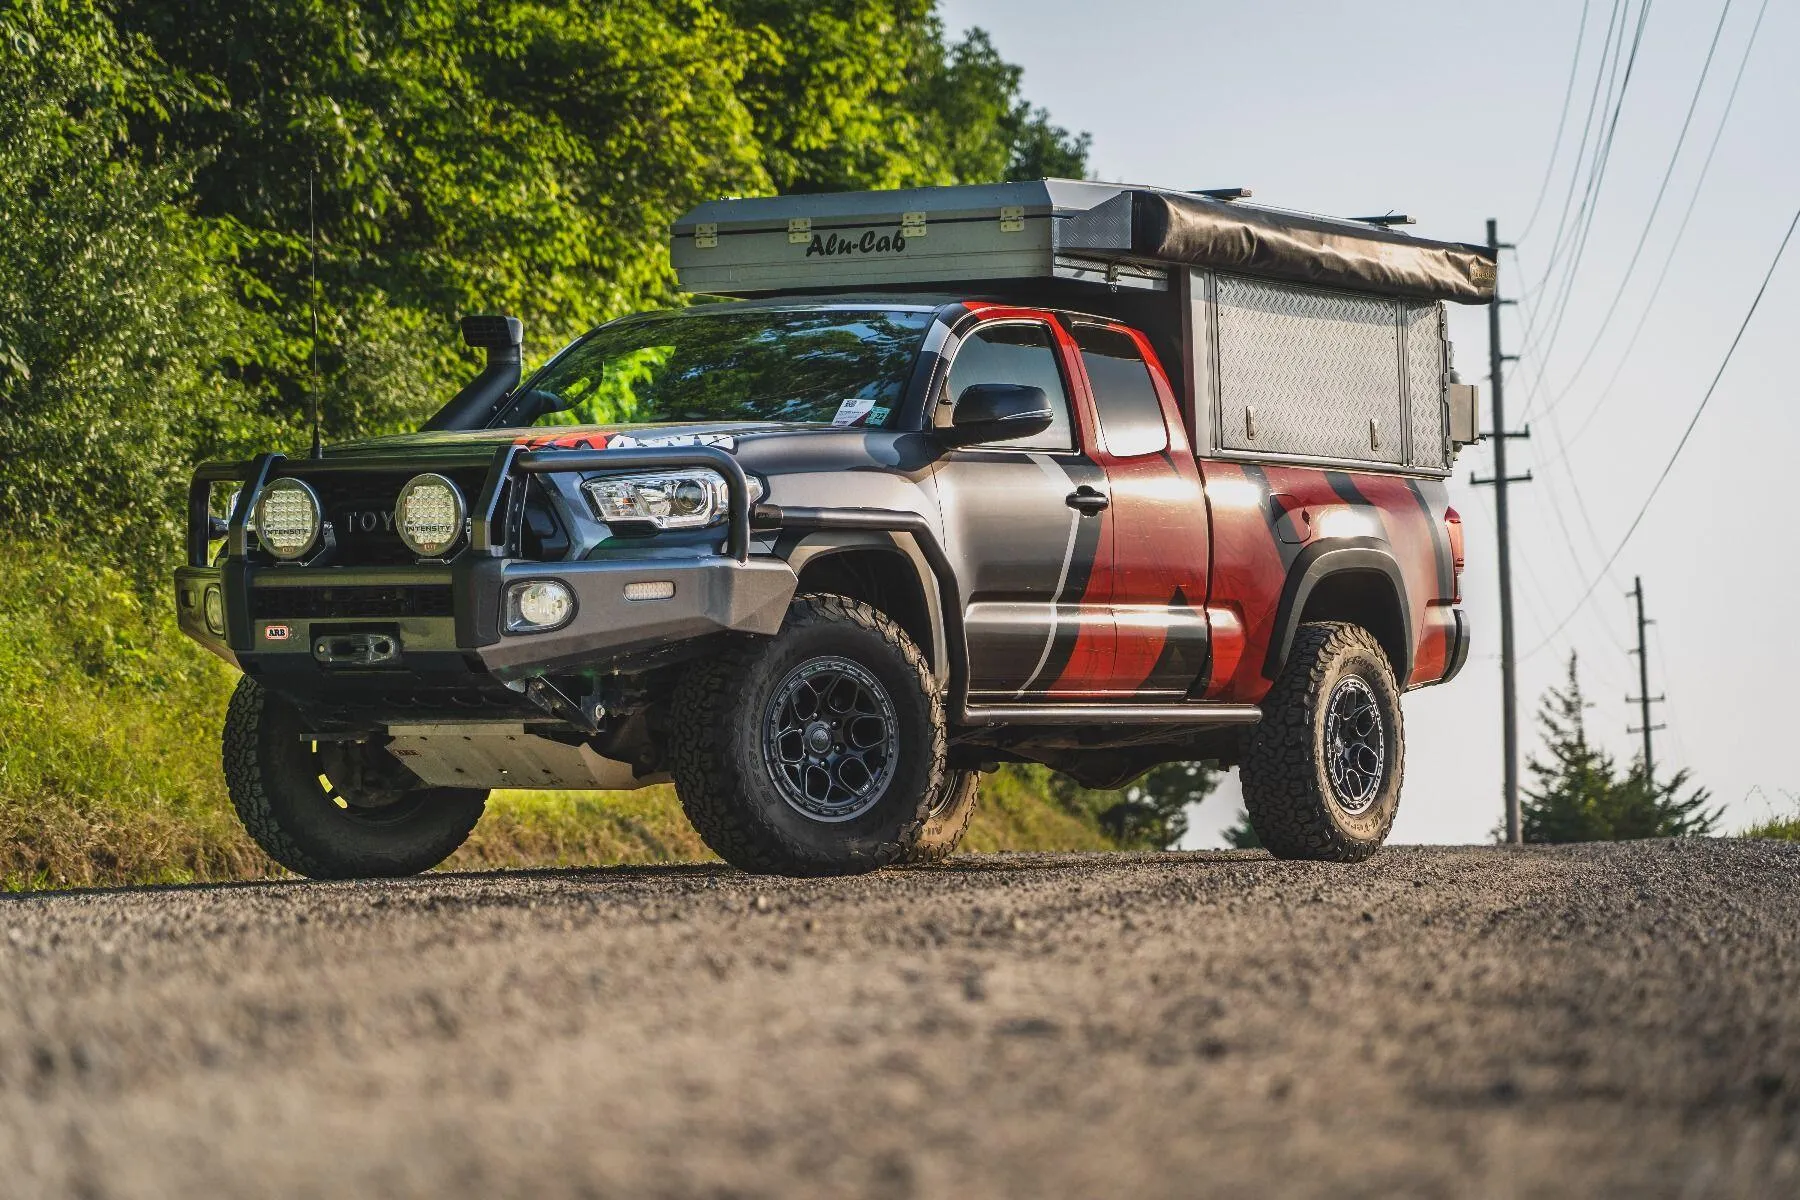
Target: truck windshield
point(820, 366)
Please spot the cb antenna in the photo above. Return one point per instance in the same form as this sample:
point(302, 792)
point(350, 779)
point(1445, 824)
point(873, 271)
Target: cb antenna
point(312, 232)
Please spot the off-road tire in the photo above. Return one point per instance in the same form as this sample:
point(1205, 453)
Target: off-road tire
point(273, 776)
point(720, 710)
point(1285, 775)
point(949, 819)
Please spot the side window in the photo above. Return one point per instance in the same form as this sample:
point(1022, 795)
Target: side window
point(1131, 417)
point(1015, 352)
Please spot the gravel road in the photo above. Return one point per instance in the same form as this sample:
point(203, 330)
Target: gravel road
point(1612, 1020)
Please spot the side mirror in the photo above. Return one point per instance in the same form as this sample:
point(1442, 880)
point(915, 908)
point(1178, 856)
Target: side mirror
point(997, 412)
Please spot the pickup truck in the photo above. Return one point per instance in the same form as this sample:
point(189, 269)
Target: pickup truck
point(821, 556)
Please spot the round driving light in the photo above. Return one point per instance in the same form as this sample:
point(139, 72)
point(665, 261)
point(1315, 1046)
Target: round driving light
point(539, 605)
point(429, 515)
point(214, 608)
point(288, 518)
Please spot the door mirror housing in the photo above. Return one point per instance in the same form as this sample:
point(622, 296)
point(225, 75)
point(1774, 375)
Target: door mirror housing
point(997, 412)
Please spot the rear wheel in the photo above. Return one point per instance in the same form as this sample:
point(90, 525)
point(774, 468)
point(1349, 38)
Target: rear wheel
point(951, 812)
point(1322, 776)
point(334, 810)
point(819, 752)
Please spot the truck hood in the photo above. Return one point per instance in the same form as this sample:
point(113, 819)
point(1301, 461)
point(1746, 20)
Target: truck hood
point(461, 443)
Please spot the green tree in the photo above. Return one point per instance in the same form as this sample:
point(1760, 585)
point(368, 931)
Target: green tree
point(1242, 835)
point(1579, 795)
point(1148, 813)
point(117, 307)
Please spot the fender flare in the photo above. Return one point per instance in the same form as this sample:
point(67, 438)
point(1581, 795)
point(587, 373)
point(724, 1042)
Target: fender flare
point(924, 538)
point(801, 551)
point(1319, 561)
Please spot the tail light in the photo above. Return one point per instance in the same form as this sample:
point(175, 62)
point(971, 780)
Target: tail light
point(1453, 526)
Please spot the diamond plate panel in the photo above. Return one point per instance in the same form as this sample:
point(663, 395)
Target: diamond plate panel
point(1425, 385)
point(1310, 373)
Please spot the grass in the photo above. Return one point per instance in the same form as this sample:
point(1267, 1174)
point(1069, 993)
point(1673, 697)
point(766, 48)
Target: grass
point(1786, 829)
point(109, 771)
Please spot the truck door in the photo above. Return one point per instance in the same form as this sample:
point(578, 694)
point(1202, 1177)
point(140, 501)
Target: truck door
point(1028, 542)
point(1157, 516)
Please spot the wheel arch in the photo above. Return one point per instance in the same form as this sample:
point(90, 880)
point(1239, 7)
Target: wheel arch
point(886, 572)
point(1345, 579)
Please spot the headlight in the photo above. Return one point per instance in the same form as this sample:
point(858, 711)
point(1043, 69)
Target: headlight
point(538, 606)
point(687, 499)
point(429, 515)
point(288, 518)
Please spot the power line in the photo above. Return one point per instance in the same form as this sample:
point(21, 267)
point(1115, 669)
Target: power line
point(1607, 50)
point(1561, 120)
point(1655, 207)
point(1590, 207)
point(1680, 230)
point(1685, 435)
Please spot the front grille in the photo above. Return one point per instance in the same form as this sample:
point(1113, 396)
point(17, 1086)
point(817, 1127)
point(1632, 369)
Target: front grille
point(350, 602)
point(360, 510)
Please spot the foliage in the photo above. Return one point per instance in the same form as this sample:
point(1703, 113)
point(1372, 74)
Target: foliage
point(116, 308)
point(1150, 813)
point(1786, 829)
point(1580, 796)
point(1242, 835)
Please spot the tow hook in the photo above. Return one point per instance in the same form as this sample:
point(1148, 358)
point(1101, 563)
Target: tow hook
point(547, 696)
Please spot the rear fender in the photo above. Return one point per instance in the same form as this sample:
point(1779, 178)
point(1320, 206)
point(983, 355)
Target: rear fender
point(1362, 582)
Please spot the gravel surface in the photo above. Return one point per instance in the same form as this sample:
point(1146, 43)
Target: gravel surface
point(1595, 1020)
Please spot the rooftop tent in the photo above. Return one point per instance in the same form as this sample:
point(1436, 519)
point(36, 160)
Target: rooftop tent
point(1120, 237)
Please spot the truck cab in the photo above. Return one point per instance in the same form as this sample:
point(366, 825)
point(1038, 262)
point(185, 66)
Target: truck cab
point(946, 481)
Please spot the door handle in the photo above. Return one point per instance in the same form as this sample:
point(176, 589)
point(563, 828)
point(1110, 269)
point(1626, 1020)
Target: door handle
point(1088, 500)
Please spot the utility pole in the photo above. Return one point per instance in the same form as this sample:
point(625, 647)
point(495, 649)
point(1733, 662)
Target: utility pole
point(1644, 699)
point(1509, 695)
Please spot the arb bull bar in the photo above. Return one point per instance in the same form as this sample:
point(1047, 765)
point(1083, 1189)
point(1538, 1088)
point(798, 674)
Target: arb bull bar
point(696, 594)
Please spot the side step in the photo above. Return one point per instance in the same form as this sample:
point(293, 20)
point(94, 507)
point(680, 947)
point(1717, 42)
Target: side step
point(1197, 715)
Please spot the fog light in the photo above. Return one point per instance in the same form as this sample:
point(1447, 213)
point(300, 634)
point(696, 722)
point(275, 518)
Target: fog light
point(538, 606)
point(651, 589)
point(213, 605)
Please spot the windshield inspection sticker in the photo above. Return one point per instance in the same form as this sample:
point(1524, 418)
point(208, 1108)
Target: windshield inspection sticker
point(853, 410)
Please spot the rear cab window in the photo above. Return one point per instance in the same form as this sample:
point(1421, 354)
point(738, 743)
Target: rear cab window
point(1125, 398)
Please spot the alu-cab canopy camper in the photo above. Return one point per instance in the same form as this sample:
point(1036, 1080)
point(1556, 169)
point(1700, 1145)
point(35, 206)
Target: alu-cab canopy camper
point(1290, 336)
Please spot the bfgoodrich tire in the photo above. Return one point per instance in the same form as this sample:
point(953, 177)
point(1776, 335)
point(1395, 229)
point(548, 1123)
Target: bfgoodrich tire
point(334, 810)
point(819, 752)
point(948, 820)
point(1322, 776)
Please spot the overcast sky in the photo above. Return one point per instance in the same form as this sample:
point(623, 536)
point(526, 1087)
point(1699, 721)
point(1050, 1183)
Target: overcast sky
point(1448, 111)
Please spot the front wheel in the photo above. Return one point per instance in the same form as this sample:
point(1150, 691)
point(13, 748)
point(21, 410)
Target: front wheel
point(1322, 776)
point(334, 810)
point(819, 752)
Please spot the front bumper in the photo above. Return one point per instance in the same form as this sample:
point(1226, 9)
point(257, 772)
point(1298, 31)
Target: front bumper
point(448, 622)
point(440, 626)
